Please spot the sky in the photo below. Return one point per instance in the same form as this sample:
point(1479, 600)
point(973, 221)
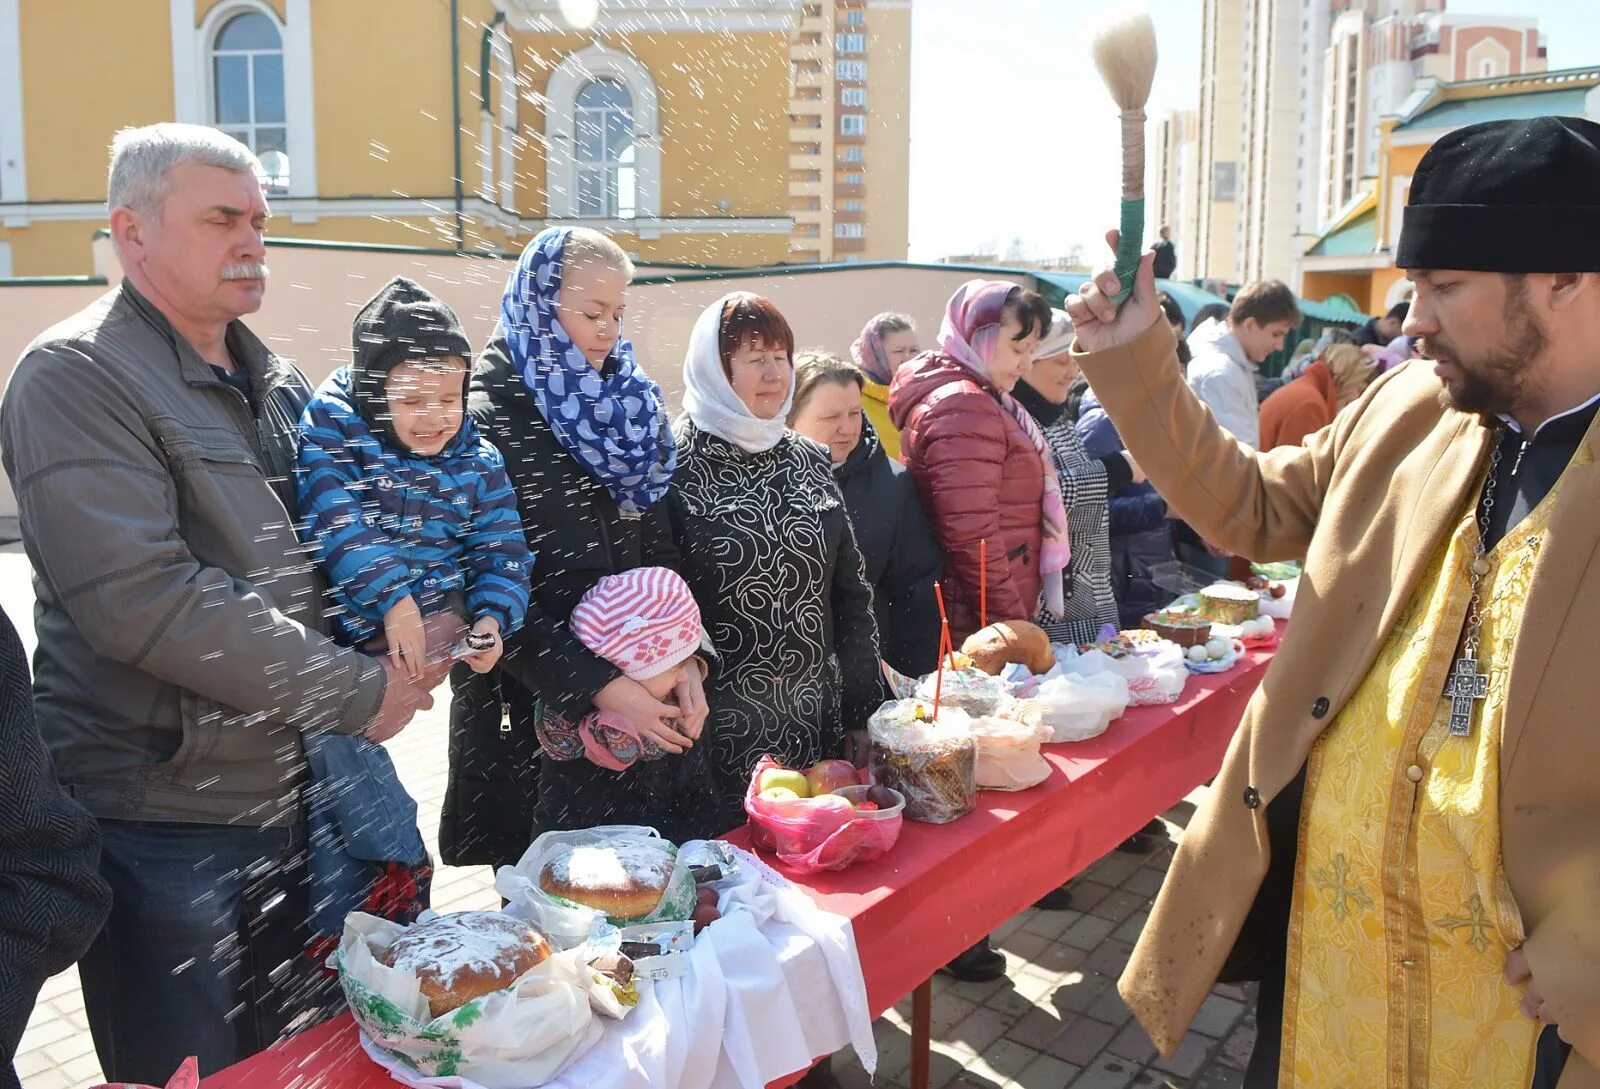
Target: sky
point(1014, 138)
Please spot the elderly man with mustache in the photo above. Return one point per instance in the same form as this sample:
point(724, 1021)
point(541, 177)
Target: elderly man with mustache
point(183, 641)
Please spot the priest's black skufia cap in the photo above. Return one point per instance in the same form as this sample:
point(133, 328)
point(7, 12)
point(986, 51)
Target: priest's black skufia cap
point(1507, 196)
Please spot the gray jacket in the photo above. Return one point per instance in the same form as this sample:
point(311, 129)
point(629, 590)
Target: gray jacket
point(182, 631)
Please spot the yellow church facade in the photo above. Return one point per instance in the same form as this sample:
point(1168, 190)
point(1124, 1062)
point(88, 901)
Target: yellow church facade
point(451, 124)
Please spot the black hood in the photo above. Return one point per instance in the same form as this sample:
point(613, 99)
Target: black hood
point(868, 446)
point(402, 323)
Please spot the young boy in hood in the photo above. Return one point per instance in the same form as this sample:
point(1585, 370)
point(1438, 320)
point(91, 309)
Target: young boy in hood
point(410, 512)
point(409, 509)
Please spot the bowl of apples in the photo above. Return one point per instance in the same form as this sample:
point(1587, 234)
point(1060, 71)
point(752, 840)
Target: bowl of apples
point(824, 818)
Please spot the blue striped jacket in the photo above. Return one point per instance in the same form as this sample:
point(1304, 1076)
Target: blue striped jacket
point(385, 523)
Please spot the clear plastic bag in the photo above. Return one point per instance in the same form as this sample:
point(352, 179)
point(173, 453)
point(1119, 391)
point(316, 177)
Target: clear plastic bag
point(518, 1037)
point(1008, 749)
point(935, 765)
point(808, 837)
point(1079, 706)
point(1154, 676)
point(567, 924)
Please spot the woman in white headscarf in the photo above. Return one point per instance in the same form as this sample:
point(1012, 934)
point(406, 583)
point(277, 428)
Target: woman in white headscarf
point(769, 551)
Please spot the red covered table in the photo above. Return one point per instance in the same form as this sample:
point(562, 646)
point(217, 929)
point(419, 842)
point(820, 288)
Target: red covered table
point(943, 886)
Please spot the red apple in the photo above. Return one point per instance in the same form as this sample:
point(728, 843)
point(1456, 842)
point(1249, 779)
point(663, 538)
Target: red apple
point(827, 776)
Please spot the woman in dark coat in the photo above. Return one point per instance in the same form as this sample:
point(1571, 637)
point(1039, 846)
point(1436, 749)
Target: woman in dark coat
point(896, 544)
point(588, 448)
point(767, 547)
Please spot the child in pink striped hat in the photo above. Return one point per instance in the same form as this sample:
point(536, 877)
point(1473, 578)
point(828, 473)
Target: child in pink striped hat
point(646, 623)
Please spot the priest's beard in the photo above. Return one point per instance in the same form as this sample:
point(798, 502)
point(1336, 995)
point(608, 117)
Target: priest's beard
point(1493, 382)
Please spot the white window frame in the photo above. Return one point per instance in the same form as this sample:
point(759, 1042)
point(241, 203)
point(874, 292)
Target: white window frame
point(855, 17)
point(610, 169)
point(501, 113)
point(853, 97)
point(192, 91)
point(13, 145)
point(852, 71)
point(851, 44)
point(851, 205)
point(852, 124)
point(852, 153)
point(577, 71)
point(854, 179)
point(248, 131)
point(849, 230)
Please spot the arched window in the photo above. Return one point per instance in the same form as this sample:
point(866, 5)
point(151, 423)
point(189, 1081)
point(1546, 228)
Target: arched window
point(247, 99)
point(606, 159)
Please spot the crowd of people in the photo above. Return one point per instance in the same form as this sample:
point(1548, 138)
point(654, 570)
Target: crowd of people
point(246, 585)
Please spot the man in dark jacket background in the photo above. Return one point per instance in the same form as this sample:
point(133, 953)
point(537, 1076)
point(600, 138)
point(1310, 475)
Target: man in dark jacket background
point(183, 636)
point(1166, 254)
point(52, 899)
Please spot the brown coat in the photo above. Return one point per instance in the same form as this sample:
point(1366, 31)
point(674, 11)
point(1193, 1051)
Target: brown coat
point(1367, 502)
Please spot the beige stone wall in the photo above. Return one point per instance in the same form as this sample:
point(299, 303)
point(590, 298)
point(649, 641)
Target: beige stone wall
point(316, 291)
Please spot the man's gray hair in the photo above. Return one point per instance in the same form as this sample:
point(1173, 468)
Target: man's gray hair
point(142, 158)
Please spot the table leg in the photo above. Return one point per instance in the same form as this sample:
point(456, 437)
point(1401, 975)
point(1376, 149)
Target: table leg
point(921, 1032)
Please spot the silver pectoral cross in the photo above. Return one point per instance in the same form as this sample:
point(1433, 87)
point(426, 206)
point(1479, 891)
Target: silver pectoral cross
point(1465, 687)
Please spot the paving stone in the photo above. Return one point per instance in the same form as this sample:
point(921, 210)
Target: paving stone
point(1030, 988)
point(1081, 1040)
point(1038, 1028)
point(1133, 1044)
point(1131, 928)
point(1078, 991)
point(1109, 958)
point(1045, 1072)
point(1147, 882)
point(852, 1077)
point(978, 993)
point(1088, 932)
point(1237, 1048)
point(1001, 1061)
point(1110, 1008)
point(1011, 926)
point(84, 1070)
point(1115, 868)
point(34, 1062)
point(1051, 924)
point(1025, 945)
point(980, 1028)
point(894, 1050)
point(1060, 957)
point(1088, 891)
point(1239, 992)
point(1219, 1077)
point(1120, 905)
point(944, 1067)
point(1217, 1016)
point(1189, 1057)
point(948, 1011)
point(1110, 1072)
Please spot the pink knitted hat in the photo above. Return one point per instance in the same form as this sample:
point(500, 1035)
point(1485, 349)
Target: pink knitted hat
point(643, 621)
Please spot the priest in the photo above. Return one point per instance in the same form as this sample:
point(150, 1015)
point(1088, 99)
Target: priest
point(1403, 844)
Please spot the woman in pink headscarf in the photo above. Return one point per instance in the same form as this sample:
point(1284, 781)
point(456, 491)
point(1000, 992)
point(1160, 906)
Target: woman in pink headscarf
point(981, 464)
point(888, 341)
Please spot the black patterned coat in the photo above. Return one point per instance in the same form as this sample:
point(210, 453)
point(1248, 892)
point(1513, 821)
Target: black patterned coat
point(768, 548)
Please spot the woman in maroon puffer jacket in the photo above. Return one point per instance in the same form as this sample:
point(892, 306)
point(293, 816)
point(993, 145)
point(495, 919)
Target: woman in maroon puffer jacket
point(977, 457)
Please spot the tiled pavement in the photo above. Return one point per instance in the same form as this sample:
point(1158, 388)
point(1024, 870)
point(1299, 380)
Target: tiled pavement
point(1054, 1021)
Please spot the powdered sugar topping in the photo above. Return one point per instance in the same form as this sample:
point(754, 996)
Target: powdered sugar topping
point(469, 941)
point(617, 867)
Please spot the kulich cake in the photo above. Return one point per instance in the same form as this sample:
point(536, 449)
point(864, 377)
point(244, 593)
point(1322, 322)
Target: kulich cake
point(970, 690)
point(624, 880)
point(934, 765)
point(1184, 629)
point(997, 646)
point(1226, 603)
point(466, 955)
